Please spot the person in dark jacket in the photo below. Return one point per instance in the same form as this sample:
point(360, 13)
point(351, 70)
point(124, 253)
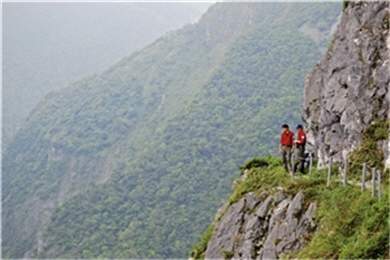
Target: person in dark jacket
point(286, 148)
point(300, 143)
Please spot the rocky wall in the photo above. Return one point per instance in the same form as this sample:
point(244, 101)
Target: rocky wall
point(348, 90)
point(255, 228)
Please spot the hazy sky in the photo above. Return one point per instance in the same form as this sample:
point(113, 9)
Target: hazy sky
point(47, 45)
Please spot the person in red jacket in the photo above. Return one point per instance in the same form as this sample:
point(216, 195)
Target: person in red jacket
point(286, 148)
point(300, 143)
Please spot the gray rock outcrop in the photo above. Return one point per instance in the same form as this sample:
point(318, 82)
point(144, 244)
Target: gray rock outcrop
point(348, 90)
point(262, 229)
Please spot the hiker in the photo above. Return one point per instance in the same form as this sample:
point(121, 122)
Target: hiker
point(286, 147)
point(300, 143)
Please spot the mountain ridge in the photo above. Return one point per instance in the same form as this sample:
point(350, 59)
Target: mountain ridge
point(124, 154)
point(39, 37)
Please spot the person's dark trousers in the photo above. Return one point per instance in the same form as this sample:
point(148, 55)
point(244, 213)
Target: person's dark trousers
point(299, 158)
point(286, 153)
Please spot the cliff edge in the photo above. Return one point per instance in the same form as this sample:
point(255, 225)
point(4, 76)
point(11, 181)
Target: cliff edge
point(255, 228)
point(348, 90)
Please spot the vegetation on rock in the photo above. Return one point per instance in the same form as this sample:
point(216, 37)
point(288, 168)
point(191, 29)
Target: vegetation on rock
point(369, 152)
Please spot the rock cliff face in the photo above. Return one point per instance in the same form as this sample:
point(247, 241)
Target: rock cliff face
point(348, 90)
point(253, 228)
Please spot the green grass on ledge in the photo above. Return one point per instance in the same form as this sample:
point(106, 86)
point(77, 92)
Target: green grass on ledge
point(350, 224)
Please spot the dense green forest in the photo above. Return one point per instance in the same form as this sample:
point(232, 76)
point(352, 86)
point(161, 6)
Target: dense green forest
point(49, 45)
point(133, 162)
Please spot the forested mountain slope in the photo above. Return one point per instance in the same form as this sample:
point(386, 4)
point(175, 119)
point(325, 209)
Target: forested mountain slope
point(130, 163)
point(49, 45)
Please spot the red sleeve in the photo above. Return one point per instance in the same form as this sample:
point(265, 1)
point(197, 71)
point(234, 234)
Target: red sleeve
point(302, 138)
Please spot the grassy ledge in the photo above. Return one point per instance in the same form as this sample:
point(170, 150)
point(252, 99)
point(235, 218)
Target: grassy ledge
point(350, 224)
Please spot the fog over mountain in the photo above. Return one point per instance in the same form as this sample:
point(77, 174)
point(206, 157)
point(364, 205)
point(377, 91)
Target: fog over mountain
point(49, 45)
